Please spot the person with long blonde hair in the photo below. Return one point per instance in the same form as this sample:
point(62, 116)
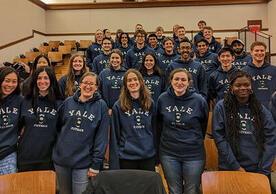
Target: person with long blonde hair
point(132, 135)
point(69, 83)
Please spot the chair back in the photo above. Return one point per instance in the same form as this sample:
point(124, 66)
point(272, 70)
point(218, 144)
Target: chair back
point(234, 182)
point(211, 154)
point(33, 182)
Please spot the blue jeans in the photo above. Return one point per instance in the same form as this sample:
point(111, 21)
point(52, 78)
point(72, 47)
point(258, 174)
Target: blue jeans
point(70, 180)
point(8, 164)
point(176, 171)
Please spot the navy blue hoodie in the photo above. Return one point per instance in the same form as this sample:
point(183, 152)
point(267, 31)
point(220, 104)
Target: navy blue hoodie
point(273, 106)
point(132, 133)
point(124, 51)
point(155, 84)
point(92, 51)
point(62, 83)
point(218, 83)
point(83, 137)
point(9, 113)
point(197, 71)
point(165, 60)
point(111, 83)
point(209, 62)
point(214, 46)
point(242, 61)
point(40, 130)
point(248, 157)
point(182, 126)
point(100, 63)
point(198, 36)
point(264, 81)
point(135, 56)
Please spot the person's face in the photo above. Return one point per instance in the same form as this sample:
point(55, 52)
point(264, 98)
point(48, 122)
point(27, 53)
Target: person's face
point(181, 33)
point(99, 35)
point(201, 26)
point(124, 39)
point(242, 89)
point(159, 33)
point(149, 62)
point(88, 87)
point(77, 63)
point(43, 82)
point(138, 27)
point(153, 41)
point(185, 49)
point(207, 33)
point(258, 54)
point(140, 38)
point(168, 45)
point(226, 60)
point(107, 33)
point(237, 48)
point(180, 83)
point(133, 84)
point(115, 61)
point(9, 84)
point(42, 62)
point(202, 48)
point(107, 45)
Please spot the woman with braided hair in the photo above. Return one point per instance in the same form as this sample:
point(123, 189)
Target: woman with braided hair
point(243, 129)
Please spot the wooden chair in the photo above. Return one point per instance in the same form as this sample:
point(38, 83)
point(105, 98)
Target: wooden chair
point(211, 154)
point(70, 42)
point(55, 58)
point(31, 56)
point(273, 167)
point(234, 182)
point(53, 44)
point(218, 39)
point(65, 50)
point(44, 49)
point(229, 40)
point(42, 182)
point(84, 44)
point(209, 124)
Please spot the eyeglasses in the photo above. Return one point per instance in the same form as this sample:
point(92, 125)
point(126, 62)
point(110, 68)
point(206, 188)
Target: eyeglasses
point(88, 83)
point(140, 36)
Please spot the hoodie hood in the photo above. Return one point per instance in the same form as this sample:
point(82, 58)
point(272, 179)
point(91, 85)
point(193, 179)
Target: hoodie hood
point(96, 96)
point(266, 64)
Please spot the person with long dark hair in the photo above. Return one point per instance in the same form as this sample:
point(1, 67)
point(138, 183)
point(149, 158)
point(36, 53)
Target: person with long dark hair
point(153, 76)
point(70, 82)
point(243, 129)
point(125, 44)
point(83, 136)
point(132, 134)
point(111, 79)
point(182, 116)
point(10, 101)
point(39, 119)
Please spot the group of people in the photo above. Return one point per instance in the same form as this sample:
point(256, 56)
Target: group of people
point(154, 96)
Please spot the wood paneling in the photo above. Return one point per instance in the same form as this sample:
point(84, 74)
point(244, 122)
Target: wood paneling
point(133, 4)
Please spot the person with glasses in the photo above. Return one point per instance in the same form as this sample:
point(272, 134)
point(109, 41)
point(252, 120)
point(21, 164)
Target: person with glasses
point(69, 83)
point(192, 66)
point(82, 136)
point(101, 61)
point(135, 55)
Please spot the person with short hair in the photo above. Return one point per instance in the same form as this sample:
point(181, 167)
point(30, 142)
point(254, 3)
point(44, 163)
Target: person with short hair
point(175, 27)
point(101, 61)
point(243, 129)
point(152, 42)
point(168, 55)
point(10, 105)
point(39, 119)
point(262, 72)
point(132, 133)
point(182, 117)
point(133, 39)
point(241, 57)
point(181, 32)
point(201, 24)
point(160, 37)
point(117, 38)
point(214, 46)
point(194, 67)
point(95, 48)
point(218, 82)
point(82, 140)
point(208, 60)
point(135, 55)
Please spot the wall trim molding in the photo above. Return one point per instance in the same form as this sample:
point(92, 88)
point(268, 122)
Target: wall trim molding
point(92, 34)
point(145, 4)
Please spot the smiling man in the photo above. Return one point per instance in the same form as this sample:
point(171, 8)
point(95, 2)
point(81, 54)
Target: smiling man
point(241, 57)
point(262, 72)
point(194, 67)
